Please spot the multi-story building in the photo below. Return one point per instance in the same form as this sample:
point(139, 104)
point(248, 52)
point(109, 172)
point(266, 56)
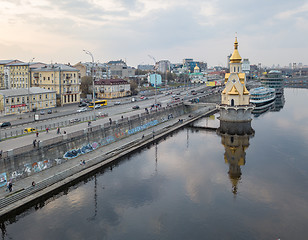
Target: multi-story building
point(112, 88)
point(63, 79)
point(100, 70)
point(246, 66)
point(190, 65)
point(5, 72)
point(119, 69)
point(163, 66)
point(16, 101)
point(19, 75)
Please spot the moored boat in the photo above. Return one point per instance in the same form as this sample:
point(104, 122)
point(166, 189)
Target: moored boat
point(262, 96)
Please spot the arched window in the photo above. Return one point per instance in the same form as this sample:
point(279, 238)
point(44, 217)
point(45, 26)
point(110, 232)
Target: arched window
point(232, 102)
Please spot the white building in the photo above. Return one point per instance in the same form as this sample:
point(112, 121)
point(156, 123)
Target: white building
point(246, 66)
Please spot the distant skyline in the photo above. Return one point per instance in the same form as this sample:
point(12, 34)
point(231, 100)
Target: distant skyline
point(269, 32)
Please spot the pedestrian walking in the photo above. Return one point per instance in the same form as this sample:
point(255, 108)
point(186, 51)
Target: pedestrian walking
point(37, 133)
point(10, 186)
point(34, 143)
point(33, 184)
point(1, 153)
point(89, 123)
point(58, 130)
point(110, 121)
point(47, 129)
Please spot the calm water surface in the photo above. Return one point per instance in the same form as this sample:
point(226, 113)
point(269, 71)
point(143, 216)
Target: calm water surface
point(194, 184)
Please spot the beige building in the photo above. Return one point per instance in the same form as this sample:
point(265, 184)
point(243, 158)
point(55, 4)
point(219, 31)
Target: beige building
point(112, 88)
point(63, 79)
point(16, 101)
point(5, 73)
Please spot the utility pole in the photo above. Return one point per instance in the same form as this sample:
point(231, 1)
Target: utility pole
point(93, 89)
point(155, 78)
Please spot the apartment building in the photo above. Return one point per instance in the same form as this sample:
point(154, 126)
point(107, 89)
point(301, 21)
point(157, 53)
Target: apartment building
point(17, 101)
point(112, 88)
point(63, 79)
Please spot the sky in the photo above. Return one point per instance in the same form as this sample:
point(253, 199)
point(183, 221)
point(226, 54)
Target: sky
point(269, 32)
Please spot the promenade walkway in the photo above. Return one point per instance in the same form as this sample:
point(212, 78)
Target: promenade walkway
point(59, 175)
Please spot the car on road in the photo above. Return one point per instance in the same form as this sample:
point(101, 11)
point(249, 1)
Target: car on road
point(117, 103)
point(74, 120)
point(5, 124)
point(83, 104)
point(42, 112)
point(29, 130)
point(135, 107)
point(83, 109)
point(142, 97)
point(49, 111)
point(97, 106)
point(194, 93)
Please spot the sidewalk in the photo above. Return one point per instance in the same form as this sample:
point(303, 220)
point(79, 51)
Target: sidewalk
point(103, 153)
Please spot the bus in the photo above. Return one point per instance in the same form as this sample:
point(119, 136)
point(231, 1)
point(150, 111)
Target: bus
point(101, 103)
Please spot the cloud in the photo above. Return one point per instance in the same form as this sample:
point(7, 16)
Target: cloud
point(173, 29)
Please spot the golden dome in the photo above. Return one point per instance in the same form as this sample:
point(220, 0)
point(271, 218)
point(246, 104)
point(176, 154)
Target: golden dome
point(196, 67)
point(235, 58)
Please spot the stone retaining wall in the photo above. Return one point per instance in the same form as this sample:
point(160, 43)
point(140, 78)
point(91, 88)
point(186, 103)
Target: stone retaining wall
point(26, 160)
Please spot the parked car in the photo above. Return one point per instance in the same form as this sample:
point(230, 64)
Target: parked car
point(98, 106)
point(142, 97)
point(117, 103)
point(49, 111)
point(29, 130)
point(83, 109)
point(42, 112)
point(135, 107)
point(5, 124)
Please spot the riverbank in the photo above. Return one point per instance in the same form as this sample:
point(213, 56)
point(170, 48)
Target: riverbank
point(49, 180)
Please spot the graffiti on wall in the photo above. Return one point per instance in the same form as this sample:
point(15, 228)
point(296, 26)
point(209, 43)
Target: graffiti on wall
point(30, 168)
point(3, 179)
point(82, 150)
point(142, 127)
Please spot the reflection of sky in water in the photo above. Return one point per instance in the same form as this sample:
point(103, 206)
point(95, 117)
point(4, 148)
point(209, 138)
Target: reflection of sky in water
point(187, 193)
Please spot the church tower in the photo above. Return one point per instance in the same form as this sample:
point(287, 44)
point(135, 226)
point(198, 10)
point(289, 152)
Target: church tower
point(235, 105)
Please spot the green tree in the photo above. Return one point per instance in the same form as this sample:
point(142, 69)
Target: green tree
point(85, 88)
point(133, 87)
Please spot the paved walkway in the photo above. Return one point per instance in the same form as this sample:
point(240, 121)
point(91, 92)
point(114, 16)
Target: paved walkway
point(111, 148)
point(72, 169)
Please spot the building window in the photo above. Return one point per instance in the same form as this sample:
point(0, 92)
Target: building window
point(48, 78)
point(12, 101)
point(18, 99)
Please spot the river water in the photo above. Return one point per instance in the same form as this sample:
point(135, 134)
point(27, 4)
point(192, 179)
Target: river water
point(195, 184)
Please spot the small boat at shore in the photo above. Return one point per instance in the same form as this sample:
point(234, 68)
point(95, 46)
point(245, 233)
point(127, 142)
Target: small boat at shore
point(262, 96)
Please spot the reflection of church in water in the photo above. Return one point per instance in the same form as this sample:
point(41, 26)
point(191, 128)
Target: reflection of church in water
point(235, 118)
point(235, 138)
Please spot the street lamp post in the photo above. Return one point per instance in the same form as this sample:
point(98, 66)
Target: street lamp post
point(93, 89)
point(155, 79)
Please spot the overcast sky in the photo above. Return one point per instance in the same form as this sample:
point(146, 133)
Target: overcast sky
point(269, 31)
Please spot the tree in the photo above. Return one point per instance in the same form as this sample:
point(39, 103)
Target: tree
point(133, 87)
point(86, 82)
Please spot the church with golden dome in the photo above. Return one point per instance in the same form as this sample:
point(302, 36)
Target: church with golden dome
point(235, 104)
